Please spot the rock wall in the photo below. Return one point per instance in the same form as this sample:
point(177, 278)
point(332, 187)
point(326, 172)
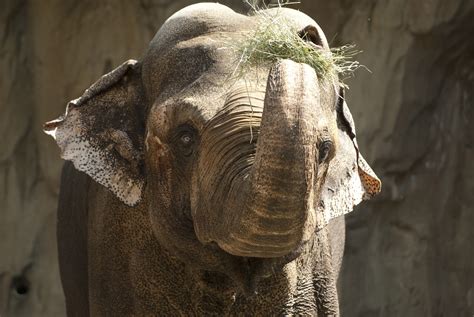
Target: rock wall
point(408, 252)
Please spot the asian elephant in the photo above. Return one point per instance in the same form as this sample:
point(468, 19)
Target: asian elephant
point(189, 193)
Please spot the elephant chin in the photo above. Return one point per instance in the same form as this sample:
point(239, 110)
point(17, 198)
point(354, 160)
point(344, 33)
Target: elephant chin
point(270, 211)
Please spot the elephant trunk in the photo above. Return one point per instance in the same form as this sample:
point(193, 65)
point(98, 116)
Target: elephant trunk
point(279, 194)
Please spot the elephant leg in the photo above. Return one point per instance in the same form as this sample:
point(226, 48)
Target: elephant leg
point(324, 277)
point(337, 239)
point(72, 240)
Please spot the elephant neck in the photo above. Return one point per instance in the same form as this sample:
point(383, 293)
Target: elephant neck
point(303, 286)
point(216, 294)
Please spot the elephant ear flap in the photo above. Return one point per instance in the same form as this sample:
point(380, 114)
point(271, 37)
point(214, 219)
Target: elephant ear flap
point(371, 182)
point(101, 132)
point(349, 179)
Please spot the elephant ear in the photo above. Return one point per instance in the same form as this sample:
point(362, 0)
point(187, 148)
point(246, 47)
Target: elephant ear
point(101, 132)
point(349, 179)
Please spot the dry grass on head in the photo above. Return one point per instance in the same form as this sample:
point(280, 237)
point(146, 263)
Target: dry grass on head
point(276, 38)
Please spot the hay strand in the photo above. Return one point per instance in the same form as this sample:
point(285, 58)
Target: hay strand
point(276, 38)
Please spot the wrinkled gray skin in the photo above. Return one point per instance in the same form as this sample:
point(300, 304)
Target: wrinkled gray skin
point(203, 194)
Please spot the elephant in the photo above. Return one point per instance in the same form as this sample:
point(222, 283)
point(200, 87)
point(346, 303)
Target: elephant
point(185, 192)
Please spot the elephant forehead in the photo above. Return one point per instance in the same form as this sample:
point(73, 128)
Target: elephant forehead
point(188, 46)
point(198, 40)
point(204, 18)
point(195, 62)
point(196, 20)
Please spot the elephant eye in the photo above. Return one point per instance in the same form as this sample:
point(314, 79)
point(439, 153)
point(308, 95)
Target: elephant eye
point(186, 138)
point(324, 150)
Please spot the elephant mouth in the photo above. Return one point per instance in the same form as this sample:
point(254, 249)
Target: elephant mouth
point(266, 189)
point(247, 273)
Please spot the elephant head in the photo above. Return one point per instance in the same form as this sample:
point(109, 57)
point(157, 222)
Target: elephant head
point(228, 170)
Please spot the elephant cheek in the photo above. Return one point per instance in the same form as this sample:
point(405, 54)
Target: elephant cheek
point(158, 188)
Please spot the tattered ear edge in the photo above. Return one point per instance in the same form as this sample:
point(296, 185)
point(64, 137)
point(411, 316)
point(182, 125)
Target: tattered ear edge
point(371, 183)
point(76, 147)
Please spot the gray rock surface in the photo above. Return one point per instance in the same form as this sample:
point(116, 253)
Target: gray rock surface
point(409, 252)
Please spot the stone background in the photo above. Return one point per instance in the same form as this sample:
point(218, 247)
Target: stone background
point(409, 252)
